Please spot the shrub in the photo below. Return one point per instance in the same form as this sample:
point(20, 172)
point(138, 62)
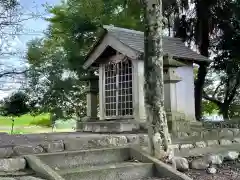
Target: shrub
point(46, 122)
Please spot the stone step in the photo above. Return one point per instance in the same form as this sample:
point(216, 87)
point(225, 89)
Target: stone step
point(120, 171)
point(155, 178)
point(22, 178)
point(85, 158)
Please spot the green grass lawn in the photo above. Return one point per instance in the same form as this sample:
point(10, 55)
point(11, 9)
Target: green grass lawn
point(28, 124)
point(24, 120)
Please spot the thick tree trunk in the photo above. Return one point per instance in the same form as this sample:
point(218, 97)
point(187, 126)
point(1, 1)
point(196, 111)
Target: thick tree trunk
point(159, 136)
point(202, 72)
point(224, 111)
point(203, 13)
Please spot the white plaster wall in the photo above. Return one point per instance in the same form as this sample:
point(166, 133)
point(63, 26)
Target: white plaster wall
point(185, 91)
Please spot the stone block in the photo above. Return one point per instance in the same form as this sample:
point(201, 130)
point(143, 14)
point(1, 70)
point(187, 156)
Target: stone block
point(236, 140)
point(54, 146)
point(200, 144)
point(199, 164)
point(29, 178)
point(109, 141)
point(76, 144)
point(235, 131)
point(6, 152)
point(230, 155)
point(12, 164)
point(211, 170)
point(143, 139)
point(215, 159)
point(181, 134)
point(225, 133)
point(117, 140)
point(180, 163)
point(194, 133)
point(174, 146)
point(133, 139)
point(109, 126)
point(225, 142)
point(27, 149)
point(104, 141)
point(212, 142)
point(187, 146)
point(211, 134)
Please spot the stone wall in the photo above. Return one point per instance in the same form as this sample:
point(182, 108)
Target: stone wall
point(17, 145)
point(206, 130)
point(209, 134)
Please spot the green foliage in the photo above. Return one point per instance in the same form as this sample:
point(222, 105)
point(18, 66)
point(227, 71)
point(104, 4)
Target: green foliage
point(44, 122)
point(56, 60)
point(234, 111)
point(210, 107)
point(226, 64)
point(16, 104)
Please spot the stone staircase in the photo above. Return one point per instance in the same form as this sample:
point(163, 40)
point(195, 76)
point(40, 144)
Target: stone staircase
point(106, 164)
point(122, 163)
point(98, 164)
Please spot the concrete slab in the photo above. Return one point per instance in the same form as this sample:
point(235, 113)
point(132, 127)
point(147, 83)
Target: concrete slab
point(85, 158)
point(112, 126)
point(120, 171)
point(41, 169)
point(162, 170)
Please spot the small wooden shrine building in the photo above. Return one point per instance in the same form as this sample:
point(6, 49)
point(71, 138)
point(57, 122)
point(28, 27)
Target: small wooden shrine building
point(118, 57)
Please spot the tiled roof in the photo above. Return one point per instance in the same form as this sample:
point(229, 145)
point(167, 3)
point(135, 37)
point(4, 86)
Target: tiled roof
point(172, 46)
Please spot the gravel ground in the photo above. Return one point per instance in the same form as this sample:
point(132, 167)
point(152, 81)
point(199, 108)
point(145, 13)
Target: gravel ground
point(228, 171)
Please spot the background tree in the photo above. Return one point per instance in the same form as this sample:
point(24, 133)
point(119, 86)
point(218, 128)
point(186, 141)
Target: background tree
point(75, 26)
point(225, 92)
point(15, 105)
point(56, 60)
point(53, 88)
point(12, 63)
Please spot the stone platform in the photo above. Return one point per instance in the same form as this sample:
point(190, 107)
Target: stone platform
point(113, 126)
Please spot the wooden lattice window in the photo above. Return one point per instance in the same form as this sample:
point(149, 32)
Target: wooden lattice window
point(118, 88)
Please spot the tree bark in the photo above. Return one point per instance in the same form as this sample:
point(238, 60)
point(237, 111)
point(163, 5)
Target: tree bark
point(202, 9)
point(199, 85)
point(224, 109)
point(159, 136)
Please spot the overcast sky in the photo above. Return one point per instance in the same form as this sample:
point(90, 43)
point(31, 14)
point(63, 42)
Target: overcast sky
point(33, 28)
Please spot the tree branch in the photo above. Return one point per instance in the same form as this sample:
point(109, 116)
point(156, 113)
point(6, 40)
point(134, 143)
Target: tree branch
point(216, 90)
point(234, 90)
point(12, 73)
